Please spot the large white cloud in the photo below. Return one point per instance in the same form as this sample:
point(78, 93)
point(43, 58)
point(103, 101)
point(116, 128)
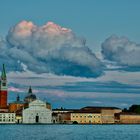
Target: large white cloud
point(49, 48)
point(121, 50)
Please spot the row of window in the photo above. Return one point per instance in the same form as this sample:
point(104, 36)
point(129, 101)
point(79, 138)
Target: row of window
point(7, 120)
point(87, 116)
point(7, 115)
point(108, 117)
point(90, 121)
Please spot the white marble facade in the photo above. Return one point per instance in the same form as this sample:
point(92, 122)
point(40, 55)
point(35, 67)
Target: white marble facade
point(37, 113)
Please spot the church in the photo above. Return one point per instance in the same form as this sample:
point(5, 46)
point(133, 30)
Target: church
point(37, 113)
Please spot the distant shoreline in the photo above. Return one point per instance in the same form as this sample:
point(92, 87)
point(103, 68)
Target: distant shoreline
point(70, 124)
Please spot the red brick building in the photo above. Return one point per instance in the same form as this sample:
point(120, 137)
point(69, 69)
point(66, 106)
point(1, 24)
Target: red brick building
point(3, 89)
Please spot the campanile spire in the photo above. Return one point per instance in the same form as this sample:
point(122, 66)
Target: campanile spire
point(3, 74)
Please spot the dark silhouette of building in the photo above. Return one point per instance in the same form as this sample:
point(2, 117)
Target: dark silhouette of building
point(30, 96)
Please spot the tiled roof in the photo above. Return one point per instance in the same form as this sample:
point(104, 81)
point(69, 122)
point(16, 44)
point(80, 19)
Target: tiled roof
point(97, 107)
point(86, 111)
point(17, 102)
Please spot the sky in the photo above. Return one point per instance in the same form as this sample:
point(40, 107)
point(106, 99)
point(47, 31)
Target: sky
point(73, 53)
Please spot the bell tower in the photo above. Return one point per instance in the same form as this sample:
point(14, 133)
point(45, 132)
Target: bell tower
point(3, 89)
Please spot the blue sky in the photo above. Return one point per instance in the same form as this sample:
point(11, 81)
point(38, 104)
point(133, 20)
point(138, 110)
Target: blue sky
point(93, 19)
point(97, 71)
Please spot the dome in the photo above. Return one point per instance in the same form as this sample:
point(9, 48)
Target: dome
point(30, 97)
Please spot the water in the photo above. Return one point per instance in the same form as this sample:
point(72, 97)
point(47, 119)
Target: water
point(69, 132)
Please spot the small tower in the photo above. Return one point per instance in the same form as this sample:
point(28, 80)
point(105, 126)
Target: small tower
point(18, 98)
point(30, 90)
point(3, 89)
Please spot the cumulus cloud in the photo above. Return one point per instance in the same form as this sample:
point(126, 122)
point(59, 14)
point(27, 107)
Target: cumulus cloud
point(5, 56)
point(122, 51)
point(48, 48)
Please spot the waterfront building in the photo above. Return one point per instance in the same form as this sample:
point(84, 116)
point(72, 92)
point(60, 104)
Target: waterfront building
point(6, 117)
point(37, 113)
point(81, 116)
point(62, 116)
point(3, 89)
point(86, 117)
point(128, 118)
point(16, 105)
point(107, 113)
point(17, 108)
point(19, 116)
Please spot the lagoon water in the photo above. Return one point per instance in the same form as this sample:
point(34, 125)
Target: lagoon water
point(69, 132)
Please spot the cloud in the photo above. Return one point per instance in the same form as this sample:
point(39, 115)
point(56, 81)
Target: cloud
point(5, 56)
point(80, 91)
point(13, 89)
point(79, 98)
point(122, 51)
point(49, 48)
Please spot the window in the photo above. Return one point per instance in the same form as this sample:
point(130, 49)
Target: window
point(3, 84)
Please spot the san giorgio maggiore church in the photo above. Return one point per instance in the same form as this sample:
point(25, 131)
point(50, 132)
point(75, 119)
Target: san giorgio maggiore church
point(31, 110)
point(37, 113)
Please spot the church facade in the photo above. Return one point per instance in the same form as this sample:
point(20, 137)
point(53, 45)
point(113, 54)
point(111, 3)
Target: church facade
point(37, 113)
